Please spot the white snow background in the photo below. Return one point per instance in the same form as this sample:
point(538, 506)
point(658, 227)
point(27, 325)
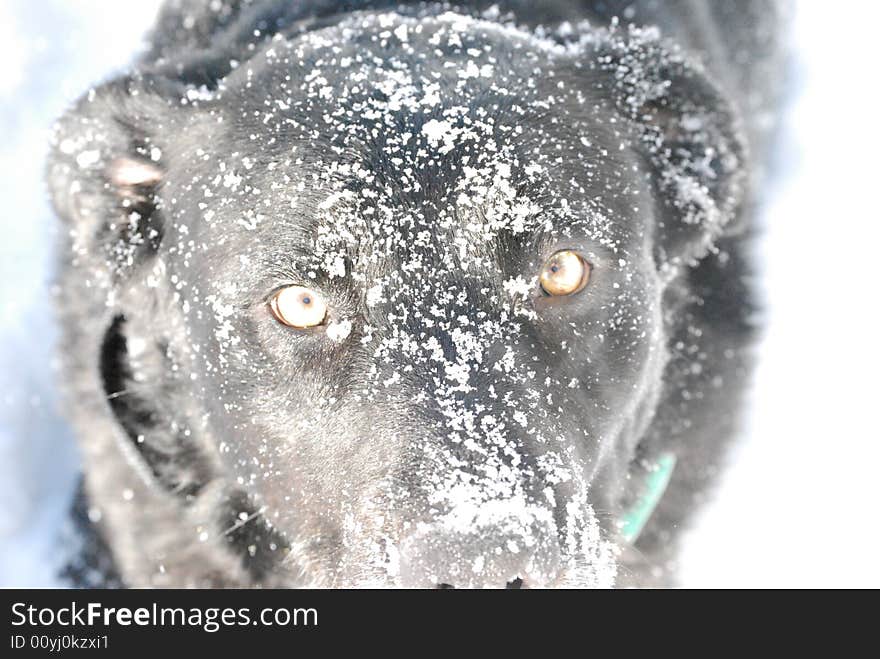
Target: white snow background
point(799, 505)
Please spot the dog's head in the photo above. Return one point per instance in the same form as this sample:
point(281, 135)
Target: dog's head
point(401, 284)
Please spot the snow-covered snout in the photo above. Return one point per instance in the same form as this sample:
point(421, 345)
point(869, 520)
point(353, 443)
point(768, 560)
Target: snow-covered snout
point(395, 288)
point(461, 427)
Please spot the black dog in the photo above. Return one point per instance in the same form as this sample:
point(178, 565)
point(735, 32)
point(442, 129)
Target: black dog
point(372, 293)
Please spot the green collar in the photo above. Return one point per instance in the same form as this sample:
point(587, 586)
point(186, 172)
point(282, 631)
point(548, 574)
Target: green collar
point(634, 520)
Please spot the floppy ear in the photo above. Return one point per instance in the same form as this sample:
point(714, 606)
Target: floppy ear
point(688, 134)
point(105, 170)
point(105, 166)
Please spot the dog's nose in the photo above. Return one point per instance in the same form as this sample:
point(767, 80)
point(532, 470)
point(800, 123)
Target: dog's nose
point(508, 554)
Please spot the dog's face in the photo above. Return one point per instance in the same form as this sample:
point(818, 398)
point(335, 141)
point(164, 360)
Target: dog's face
point(407, 279)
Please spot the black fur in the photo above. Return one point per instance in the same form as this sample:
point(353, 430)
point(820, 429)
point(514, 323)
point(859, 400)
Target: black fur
point(415, 164)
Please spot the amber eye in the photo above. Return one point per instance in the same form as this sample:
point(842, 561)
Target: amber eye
point(299, 307)
point(564, 273)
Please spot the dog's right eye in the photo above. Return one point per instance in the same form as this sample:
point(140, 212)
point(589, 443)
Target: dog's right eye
point(298, 307)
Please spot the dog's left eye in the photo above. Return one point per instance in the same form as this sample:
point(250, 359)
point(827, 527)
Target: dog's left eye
point(298, 307)
point(565, 273)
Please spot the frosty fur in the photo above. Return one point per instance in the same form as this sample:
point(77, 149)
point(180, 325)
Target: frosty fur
point(416, 164)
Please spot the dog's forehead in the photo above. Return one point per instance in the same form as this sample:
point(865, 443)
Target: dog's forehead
point(398, 150)
point(400, 145)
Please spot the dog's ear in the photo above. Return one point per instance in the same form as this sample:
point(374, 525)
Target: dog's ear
point(686, 131)
point(106, 165)
point(108, 161)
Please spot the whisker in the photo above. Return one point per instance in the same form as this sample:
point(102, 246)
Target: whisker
point(241, 522)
